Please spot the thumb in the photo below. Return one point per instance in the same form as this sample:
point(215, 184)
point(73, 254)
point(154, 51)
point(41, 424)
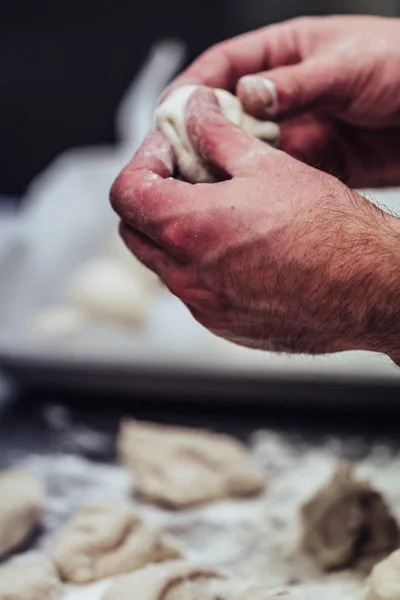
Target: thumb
point(291, 90)
point(218, 140)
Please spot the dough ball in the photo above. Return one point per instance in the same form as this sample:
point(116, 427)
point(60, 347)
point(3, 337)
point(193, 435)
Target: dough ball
point(348, 524)
point(260, 593)
point(170, 581)
point(183, 581)
point(170, 120)
point(29, 581)
point(102, 540)
point(180, 467)
point(384, 581)
point(58, 321)
point(21, 508)
point(106, 289)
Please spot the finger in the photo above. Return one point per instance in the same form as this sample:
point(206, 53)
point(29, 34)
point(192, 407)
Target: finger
point(155, 154)
point(222, 65)
point(148, 253)
point(290, 90)
point(149, 203)
point(220, 142)
point(144, 195)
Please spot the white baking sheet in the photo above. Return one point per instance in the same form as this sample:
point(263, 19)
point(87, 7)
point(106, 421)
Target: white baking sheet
point(67, 219)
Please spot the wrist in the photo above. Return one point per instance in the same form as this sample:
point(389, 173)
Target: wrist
point(381, 273)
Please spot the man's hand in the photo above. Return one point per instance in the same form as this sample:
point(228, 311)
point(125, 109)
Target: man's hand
point(335, 81)
point(280, 256)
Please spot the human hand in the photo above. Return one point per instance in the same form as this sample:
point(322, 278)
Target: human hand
point(334, 81)
point(280, 256)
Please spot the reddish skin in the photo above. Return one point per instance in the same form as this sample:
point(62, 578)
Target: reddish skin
point(337, 81)
point(278, 256)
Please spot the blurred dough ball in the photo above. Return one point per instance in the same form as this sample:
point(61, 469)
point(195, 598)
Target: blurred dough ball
point(57, 321)
point(384, 581)
point(129, 260)
point(29, 581)
point(106, 539)
point(21, 508)
point(107, 289)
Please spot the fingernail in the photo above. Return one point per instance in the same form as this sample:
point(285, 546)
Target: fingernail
point(263, 90)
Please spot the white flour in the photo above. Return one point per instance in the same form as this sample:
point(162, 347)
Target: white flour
point(253, 540)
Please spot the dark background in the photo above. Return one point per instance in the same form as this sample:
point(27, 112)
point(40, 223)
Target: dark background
point(64, 64)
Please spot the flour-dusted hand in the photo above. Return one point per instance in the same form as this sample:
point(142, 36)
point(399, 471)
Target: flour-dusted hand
point(334, 80)
point(279, 256)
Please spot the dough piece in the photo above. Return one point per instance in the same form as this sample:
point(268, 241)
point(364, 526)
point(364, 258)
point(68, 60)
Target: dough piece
point(348, 524)
point(58, 321)
point(170, 581)
point(102, 540)
point(29, 581)
point(384, 581)
point(105, 289)
point(180, 467)
point(260, 593)
point(170, 120)
point(183, 581)
point(21, 508)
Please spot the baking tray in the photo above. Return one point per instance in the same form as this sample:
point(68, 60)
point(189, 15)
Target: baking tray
point(66, 220)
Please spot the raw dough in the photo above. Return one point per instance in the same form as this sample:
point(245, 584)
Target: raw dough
point(180, 467)
point(170, 120)
point(384, 581)
point(102, 540)
point(106, 289)
point(260, 593)
point(21, 507)
point(348, 524)
point(183, 581)
point(58, 321)
point(29, 581)
point(169, 581)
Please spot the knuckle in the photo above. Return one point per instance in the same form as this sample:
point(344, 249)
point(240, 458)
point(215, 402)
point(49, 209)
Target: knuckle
point(129, 192)
point(120, 191)
point(172, 237)
point(177, 237)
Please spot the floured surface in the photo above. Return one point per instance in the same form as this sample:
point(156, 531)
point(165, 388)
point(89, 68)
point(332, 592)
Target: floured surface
point(254, 540)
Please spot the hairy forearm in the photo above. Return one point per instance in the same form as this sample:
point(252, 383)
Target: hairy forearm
point(382, 288)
